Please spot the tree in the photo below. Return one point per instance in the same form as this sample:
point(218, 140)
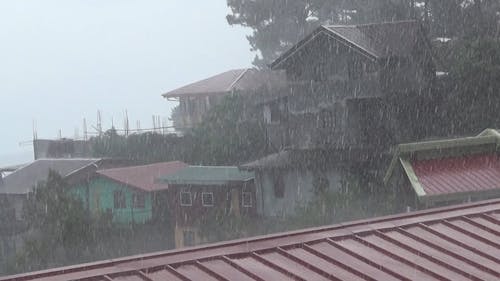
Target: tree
point(475, 85)
point(227, 136)
point(60, 230)
point(279, 24)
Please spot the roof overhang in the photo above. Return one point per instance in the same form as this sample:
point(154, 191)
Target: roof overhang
point(487, 140)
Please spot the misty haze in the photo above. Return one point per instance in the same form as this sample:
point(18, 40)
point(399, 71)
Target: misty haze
point(250, 140)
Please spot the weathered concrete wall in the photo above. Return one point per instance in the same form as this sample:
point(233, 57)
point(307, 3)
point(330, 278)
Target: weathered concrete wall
point(299, 189)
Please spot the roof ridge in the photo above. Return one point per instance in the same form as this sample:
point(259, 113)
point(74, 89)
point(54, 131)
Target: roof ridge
point(243, 72)
point(373, 23)
point(202, 80)
point(137, 166)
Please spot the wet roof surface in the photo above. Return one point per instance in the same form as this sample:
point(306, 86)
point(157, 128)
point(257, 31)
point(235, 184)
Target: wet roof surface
point(24, 179)
point(453, 243)
point(378, 40)
point(143, 177)
point(207, 175)
point(459, 174)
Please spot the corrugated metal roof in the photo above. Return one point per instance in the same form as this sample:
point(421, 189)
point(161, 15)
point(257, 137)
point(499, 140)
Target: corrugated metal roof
point(458, 174)
point(233, 80)
point(24, 179)
point(143, 177)
point(458, 167)
point(281, 159)
point(377, 40)
point(453, 243)
point(207, 175)
point(382, 39)
point(220, 83)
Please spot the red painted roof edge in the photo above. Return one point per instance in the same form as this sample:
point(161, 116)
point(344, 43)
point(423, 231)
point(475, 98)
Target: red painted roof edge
point(468, 209)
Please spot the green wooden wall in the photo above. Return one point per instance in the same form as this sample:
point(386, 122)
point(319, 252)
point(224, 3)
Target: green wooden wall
point(98, 195)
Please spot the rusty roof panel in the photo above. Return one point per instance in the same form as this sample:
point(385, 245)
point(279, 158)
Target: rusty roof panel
point(459, 242)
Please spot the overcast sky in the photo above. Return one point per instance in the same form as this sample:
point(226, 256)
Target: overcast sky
point(61, 61)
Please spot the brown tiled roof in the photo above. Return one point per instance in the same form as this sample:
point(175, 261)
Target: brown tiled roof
point(453, 243)
point(143, 177)
point(378, 40)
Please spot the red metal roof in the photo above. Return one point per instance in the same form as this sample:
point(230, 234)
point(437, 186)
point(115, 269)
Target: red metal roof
point(143, 177)
point(454, 243)
point(458, 174)
point(245, 79)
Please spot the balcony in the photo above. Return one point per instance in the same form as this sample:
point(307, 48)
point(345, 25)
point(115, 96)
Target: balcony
point(308, 96)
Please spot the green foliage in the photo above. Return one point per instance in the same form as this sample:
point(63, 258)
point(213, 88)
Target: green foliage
point(60, 230)
point(358, 198)
point(279, 24)
point(475, 85)
point(146, 148)
point(220, 226)
point(226, 137)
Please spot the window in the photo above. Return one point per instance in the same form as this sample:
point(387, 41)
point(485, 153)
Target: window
point(279, 186)
point(207, 199)
point(246, 199)
point(327, 119)
point(139, 200)
point(188, 238)
point(120, 201)
point(186, 198)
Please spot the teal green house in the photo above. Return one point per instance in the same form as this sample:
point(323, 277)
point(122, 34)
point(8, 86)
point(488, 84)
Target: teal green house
point(129, 194)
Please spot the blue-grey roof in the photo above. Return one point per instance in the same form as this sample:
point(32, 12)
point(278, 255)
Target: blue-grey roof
point(24, 179)
point(207, 175)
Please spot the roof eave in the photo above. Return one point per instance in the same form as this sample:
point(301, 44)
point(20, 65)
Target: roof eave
point(433, 199)
point(403, 151)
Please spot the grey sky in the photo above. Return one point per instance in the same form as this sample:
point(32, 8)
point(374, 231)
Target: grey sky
point(61, 61)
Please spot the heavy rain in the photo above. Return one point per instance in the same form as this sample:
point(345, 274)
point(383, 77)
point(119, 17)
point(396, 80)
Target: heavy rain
point(250, 140)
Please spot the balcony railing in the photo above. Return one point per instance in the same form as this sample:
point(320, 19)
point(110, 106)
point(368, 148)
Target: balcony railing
point(308, 96)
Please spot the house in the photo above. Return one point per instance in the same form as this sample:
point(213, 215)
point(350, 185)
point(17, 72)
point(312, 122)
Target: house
point(454, 243)
point(15, 188)
point(130, 194)
point(340, 79)
point(198, 194)
point(444, 172)
point(289, 179)
point(197, 98)
point(335, 119)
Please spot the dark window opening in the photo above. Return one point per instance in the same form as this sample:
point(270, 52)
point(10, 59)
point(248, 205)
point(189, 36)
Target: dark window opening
point(275, 113)
point(207, 199)
point(246, 199)
point(139, 200)
point(186, 198)
point(279, 186)
point(119, 199)
point(327, 119)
